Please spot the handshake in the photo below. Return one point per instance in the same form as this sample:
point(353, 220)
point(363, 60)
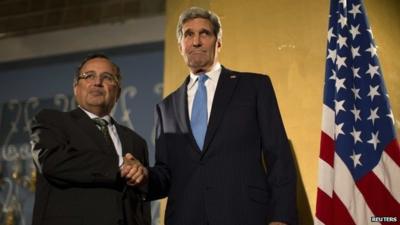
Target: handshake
point(133, 171)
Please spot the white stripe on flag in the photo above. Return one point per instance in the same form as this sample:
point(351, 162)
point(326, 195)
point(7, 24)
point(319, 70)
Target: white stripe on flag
point(349, 195)
point(328, 121)
point(325, 177)
point(388, 173)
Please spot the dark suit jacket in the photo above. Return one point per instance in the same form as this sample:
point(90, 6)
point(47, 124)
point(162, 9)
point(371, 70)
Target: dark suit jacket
point(225, 183)
point(78, 176)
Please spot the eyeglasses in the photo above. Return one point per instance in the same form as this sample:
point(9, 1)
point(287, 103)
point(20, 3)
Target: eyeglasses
point(105, 77)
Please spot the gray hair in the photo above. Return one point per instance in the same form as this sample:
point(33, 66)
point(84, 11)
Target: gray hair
point(197, 12)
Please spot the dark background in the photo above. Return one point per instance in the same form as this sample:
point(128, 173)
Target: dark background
point(30, 85)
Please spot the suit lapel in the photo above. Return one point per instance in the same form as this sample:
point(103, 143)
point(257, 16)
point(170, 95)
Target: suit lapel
point(225, 88)
point(181, 110)
point(89, 127)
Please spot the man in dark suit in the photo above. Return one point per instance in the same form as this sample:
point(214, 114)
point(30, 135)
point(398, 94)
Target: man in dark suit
point(222, 154)
point(79, 156)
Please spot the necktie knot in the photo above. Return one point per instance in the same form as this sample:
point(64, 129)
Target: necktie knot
point(100, 122)
point(202, 78)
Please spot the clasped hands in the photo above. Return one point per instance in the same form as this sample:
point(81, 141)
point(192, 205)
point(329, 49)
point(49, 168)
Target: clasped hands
point(133, 171)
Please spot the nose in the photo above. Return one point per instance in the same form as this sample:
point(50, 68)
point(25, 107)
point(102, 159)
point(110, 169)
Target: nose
point(98, 81)
point(197, 40)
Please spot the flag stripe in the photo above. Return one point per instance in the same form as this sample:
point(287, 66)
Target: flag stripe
point(328, 119)
point(349, 195)
point(327, 149)
point(393, 150)
point(327, 144)
point(332, 210)
point(324, 203)
point(317, 221)
point(378, 197)
point(389, 179)
point(325, 179)
point(341, 215)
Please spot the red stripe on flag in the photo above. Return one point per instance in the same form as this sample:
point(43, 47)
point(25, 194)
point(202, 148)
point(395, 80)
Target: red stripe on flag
point(393, 150)
point(332, 211)
point(327, 152)
point(324, 207)
point(341, 215)
point(378, 198)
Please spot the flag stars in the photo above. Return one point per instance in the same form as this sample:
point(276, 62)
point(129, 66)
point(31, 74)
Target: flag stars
point(356, 135)
point(339, 106)
point(372, 49)
point(333, 77)
point(344, 2)
point(340, 61)
point(356, 159)
point(355, 72)
point(342, 20)
point(373, 91)
point(354, 31)
point(355, 10)
point(374, 115)
point(356, 102)
point(331, 55)
point(390, 115)
point(372, 70)
point(339, 130)
point(330, 34)
point(356, 113)
point(340, 84)
point(355, 52)
point(356, 93)
point(374, 139)
point(342, 41)
point(370, 32)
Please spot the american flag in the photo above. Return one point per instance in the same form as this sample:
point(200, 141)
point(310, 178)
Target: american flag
point(359, 164)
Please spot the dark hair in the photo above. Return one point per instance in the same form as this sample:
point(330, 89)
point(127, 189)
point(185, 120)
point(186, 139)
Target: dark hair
point(94, 56)
point(197, 12)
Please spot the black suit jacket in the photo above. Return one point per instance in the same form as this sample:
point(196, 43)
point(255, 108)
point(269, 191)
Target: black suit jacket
point(226, 183)
point(78, 176)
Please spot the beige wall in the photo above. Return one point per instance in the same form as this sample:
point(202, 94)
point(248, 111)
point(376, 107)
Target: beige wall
point(287, 40)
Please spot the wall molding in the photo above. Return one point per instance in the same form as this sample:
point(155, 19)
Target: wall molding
point(130, 32)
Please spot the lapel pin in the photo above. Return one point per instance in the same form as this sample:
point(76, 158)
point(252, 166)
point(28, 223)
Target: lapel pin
point(233, 76)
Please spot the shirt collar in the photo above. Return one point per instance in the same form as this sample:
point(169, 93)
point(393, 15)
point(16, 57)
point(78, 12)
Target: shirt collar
point(213, 75)
point(92, 115)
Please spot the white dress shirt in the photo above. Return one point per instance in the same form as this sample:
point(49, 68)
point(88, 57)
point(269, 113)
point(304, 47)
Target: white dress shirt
point(113, 133)
point(211, 86)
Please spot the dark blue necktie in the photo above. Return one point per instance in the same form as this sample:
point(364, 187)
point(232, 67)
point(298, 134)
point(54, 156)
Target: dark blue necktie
point(199, 117)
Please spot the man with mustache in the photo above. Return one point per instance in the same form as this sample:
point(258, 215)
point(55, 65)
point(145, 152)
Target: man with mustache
point(222, 154)
point(79, 156)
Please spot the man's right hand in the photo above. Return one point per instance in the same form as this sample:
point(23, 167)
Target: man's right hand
point(133, 171)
